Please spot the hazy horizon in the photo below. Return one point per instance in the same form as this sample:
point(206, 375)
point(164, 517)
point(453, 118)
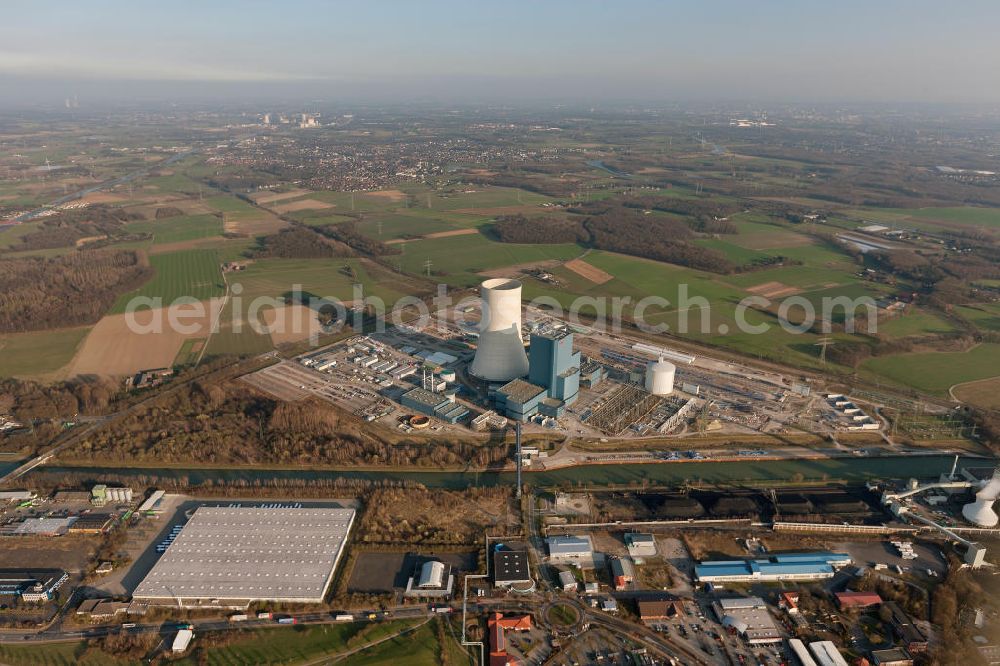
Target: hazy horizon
point(852, 52)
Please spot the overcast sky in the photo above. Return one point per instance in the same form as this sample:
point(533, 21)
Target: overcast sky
point(794, 50)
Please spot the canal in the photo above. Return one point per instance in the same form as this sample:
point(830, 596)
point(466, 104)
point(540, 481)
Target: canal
point(667, 474)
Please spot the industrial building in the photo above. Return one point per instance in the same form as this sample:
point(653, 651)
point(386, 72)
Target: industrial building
point(438, 405)
point(750, 618)
point(431, 579)
point(231, 556)
point(653, 611)
point(640, 545)
point(102, 494)
point(827, 654)
point(801, 652)
point(622, 572)
point(31, 585)
point(500, 355)
point(792, 566)
point(519, 399)
point(857, 599)
point(567, 581)
point(912, 638)
point(510, 568)
point(570, 548)
point(554, 365)
point(892, 657)
point(50, 527)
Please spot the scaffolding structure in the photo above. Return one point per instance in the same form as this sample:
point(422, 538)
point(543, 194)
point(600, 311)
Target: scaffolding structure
point(627, 405)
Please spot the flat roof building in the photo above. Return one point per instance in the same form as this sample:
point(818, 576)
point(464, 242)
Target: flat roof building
point(750, 618)
point(31, 585)
point(794, 566)
point(433, 404)
point(640, 545)
point(510, 567)
point(231, 556)
point(892, 657)
point(519, 399)
point(570, 547)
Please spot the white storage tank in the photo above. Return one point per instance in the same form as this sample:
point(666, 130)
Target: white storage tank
point(660, 377)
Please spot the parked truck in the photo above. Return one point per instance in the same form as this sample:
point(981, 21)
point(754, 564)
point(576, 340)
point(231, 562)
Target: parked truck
point(264, 615)
point(343, 617)
point(239, 617)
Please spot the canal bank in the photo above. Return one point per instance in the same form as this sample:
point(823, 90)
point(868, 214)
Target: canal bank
point(651, 474)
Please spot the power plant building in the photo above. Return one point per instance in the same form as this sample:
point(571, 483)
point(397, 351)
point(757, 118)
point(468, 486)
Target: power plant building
point(232, 556)
point(500, 355)
point(438, 405)
point(554, 365)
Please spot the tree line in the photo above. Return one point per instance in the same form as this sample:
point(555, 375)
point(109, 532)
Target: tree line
point(78, 288)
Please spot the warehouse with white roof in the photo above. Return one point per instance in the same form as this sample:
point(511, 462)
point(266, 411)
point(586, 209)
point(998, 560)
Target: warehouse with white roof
point(231, 556)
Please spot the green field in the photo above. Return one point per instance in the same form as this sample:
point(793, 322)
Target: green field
point(302, 644)
point(180, 228)
point(246, 342)
point(234, 208)
point(191, 273)
point(986, 316)
point(913, 323)
point(39, 352)
point(457, 259)
point(59, 654)
point(936, 372)
point(328, 278)
point(961, 215)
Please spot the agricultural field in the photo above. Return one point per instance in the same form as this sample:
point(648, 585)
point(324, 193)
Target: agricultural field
point(929, 218)
point(457, 260)
point(936, 372)
point(179, 229)
point(984, 315)
point(190, 273)
point(918, 322)
point(40, 352)
point(326, 278)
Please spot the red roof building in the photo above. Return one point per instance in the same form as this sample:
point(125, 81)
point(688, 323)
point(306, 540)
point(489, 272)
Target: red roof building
point(498, 646)
point(857, 599)
point(789, 601)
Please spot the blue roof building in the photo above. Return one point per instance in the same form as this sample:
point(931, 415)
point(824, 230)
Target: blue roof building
point(795, 566)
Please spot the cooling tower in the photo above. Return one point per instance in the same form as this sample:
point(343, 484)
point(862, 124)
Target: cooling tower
point(660, 377)
point(500, 353)
point(981, 511)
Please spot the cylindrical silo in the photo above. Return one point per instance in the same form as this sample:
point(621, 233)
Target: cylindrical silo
point(500, 354)
point(660, 377)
